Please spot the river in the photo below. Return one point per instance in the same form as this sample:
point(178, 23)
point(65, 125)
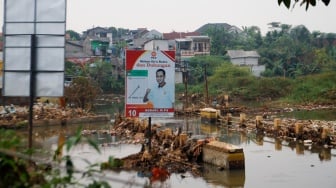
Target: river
point(268, 162)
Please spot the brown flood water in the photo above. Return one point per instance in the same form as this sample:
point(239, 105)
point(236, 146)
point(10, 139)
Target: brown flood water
point(268, 162)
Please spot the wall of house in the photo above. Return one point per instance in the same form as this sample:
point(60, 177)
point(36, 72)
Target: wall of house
point(87, 46)
point(153, 34)
point(250, 61)
point(178, 77)
point(157, 44)
point(97, 31)
point(201, 46)
point(72, 50)
point(257, 70)
point(138, 43)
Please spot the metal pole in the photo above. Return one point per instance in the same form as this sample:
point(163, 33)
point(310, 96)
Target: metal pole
point(32, 89)
point(149, 131)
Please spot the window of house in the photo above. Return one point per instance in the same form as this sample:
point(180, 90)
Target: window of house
point(200, 47)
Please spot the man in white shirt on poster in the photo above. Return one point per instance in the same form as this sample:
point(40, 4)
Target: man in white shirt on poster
point(162, 95)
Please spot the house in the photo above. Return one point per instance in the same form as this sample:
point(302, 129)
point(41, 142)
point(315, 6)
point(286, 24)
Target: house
point(97, 42)
point(75, 54)
point(178, 35)
point(172, 36)
point(138, 33)
point(153, 34)
point(191, 46)
point(142, 36)
point(156, 44)
point(99, 32)
point(96, 46)
point(246, 58)
point(74, 49)
point(188, 44)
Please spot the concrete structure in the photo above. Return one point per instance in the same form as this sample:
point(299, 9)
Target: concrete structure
point(191, 46)
point(153, 34)
point(188, 47)
point(97, 41)
point(246, 58)
point(224, 155)
point(156, 45)
point(141, 37)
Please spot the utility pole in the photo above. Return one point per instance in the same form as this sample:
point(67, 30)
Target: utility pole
point(185, 80)
point(206, 85)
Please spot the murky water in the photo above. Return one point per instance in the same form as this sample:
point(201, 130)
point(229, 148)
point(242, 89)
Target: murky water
point(321, 114)
point(268, 162)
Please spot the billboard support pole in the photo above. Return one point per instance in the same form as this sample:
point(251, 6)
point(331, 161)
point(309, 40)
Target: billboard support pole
point(149, 133)
point(32, 89)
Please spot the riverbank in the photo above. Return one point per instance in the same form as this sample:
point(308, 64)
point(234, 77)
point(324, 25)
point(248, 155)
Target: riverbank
point(47, 114)
point(51, 114)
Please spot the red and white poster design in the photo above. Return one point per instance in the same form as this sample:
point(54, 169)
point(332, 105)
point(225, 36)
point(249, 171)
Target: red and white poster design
point(150, 83)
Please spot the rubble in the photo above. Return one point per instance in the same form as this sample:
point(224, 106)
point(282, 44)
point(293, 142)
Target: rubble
point(164, 151)
point(17, 116)
point(178, 153)
point(172, 152)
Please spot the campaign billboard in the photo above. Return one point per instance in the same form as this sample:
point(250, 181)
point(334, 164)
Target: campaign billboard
point(150, 83)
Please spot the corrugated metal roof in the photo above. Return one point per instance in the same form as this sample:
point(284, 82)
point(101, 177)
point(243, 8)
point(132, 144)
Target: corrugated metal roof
point(183, 40)
point(241, 53)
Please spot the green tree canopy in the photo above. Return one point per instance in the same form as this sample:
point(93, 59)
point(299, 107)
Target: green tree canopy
point(308, 3)
point(73, 35)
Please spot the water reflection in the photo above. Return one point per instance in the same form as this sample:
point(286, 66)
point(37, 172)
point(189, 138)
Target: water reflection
point(226, 178)
point(328, 114)
point(269, 162)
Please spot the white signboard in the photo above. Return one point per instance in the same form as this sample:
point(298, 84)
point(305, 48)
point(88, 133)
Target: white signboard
point(34, 30)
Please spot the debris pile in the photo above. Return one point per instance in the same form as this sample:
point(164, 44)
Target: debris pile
point(317, 131)
point(13, 116)
point(164, 149)
point(177, 152)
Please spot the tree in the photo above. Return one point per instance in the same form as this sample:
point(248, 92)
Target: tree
point(101, 73)
point(308, 3)
point(73, 35)
point(226, 76)
point(252, 38)
point(82, 93)
point(196, 66)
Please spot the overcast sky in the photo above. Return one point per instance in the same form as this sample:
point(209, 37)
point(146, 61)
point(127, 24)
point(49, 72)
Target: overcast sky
point(189, 15)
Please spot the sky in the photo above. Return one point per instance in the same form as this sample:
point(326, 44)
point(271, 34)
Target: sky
point(189, 15)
